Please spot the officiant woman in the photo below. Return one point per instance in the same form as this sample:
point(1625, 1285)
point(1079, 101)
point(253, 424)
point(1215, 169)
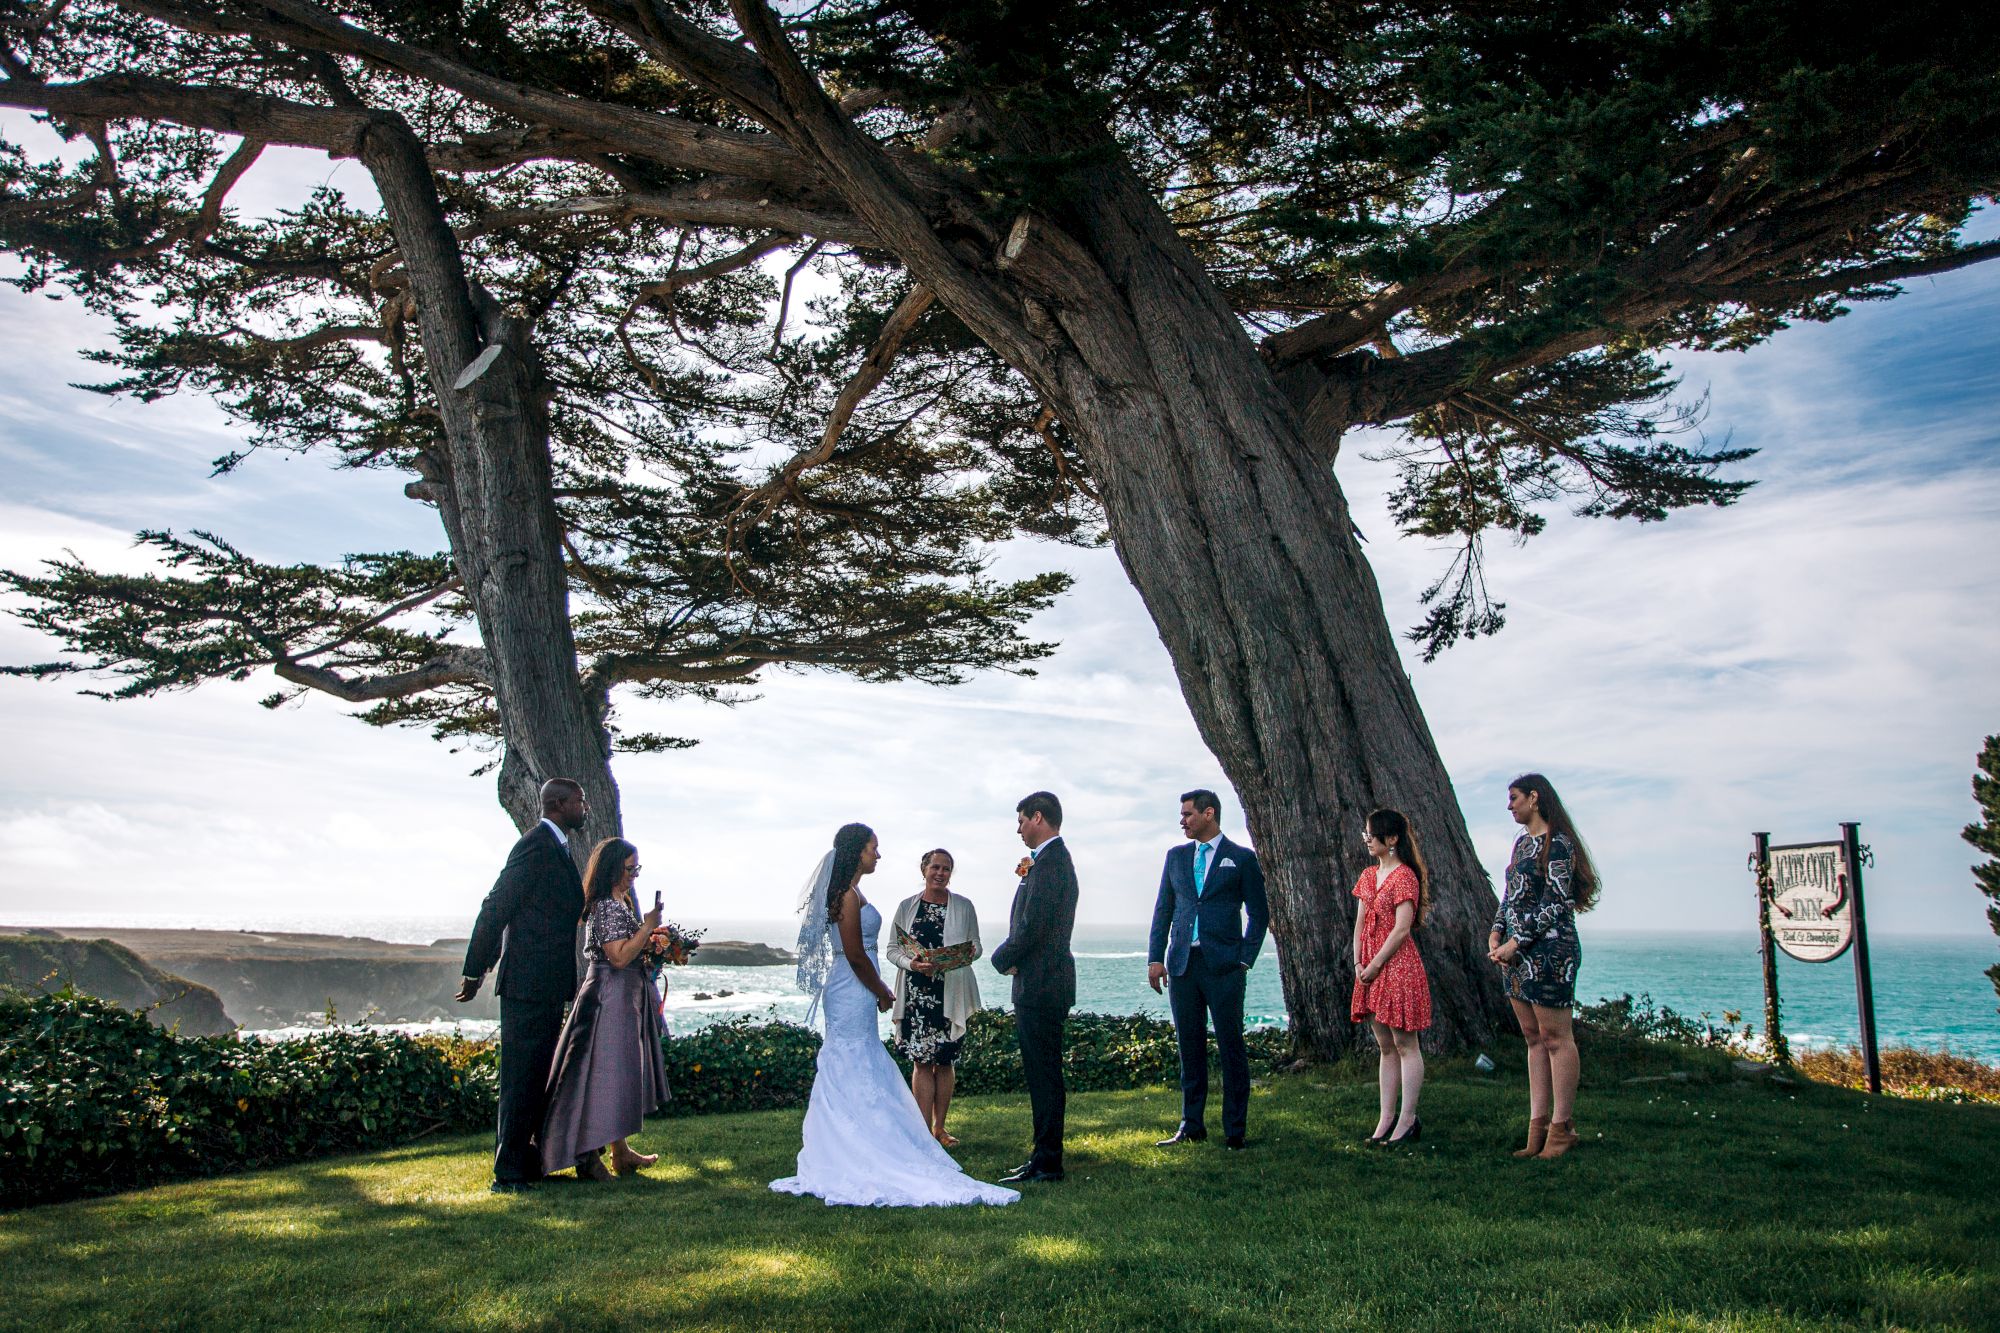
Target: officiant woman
point(934, 996)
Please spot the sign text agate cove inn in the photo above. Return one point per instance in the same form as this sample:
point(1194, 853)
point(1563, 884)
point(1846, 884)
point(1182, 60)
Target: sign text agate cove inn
point(1811, 908)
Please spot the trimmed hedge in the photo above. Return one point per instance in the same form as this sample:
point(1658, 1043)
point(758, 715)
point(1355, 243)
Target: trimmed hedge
point(94, 1098)
point(748, 1065)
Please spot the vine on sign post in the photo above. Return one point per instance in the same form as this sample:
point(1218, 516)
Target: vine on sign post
point(1774, 1035)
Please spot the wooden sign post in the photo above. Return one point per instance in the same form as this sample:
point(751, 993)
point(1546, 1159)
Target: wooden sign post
point(1767, 954)
point(1864, 983)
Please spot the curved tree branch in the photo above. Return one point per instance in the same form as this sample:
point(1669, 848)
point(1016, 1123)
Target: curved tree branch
point(456, 666)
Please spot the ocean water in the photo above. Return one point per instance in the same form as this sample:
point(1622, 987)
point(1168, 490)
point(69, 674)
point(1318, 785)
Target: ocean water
point(1930, 991)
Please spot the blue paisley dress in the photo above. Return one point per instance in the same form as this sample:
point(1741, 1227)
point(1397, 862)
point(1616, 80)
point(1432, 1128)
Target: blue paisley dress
point(1540, 911)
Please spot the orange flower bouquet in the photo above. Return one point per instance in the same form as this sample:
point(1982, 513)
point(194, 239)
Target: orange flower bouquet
point(671, 945)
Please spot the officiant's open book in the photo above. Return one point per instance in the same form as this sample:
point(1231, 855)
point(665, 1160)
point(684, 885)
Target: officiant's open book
point(946, 956)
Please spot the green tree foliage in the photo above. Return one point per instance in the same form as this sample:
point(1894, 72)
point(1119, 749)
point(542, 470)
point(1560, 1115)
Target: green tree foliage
point(664, 386)
point(1984, 835)
point(1483, 221)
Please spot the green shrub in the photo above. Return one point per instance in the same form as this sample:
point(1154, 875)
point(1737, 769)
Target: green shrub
point(1101, 1052)
point(94, 1098)
point(740, 1065)
point(1640, 1019)
point(750, 1065)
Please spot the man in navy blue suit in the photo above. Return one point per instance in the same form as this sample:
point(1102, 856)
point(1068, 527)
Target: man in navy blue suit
point(1208, 926)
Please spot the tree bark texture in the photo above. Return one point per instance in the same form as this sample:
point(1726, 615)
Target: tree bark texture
point(1238, 539)
point(496, 501)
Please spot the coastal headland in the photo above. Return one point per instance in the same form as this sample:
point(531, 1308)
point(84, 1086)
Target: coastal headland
point(268, 979)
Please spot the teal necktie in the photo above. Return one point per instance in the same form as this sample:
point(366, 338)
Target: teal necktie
point(1200, 878)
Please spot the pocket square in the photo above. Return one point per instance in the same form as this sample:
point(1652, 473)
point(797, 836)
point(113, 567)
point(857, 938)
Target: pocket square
point(1226, 863)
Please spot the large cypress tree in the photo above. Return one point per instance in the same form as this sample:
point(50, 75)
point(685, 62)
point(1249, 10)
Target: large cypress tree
point(1159, 259)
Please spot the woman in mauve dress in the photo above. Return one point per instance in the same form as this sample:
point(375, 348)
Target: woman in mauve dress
point(609, 1071)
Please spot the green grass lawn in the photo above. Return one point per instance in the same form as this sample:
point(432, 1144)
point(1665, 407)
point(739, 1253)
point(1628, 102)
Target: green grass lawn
point(1706, 1204)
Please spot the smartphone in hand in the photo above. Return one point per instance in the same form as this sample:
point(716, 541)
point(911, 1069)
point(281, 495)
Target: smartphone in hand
point(659, 904)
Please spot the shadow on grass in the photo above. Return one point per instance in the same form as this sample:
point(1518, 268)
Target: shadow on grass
point(1702, 1205)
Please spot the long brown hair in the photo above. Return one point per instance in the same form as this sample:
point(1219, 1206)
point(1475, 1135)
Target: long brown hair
point(1386, 824)
point(607, 865)
point(1584, 883)
point(848, 844)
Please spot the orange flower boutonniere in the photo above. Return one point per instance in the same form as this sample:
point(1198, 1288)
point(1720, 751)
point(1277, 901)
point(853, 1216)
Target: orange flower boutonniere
point(1021, 870)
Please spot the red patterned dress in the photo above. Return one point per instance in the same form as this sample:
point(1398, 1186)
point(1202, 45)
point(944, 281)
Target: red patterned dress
point(1400, 996)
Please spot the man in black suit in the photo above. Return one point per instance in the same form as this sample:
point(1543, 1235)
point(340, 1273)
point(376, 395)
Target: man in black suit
point(1036, 954)
point(528, 925)
point(1201, 948)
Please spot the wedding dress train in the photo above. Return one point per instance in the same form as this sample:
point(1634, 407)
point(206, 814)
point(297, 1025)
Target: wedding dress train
point(865, 1140)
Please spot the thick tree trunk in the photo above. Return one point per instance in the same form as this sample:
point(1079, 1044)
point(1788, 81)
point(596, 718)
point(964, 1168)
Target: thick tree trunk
point(497, 502)
point(1239, 541)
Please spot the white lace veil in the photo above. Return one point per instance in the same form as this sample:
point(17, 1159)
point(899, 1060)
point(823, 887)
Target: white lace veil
point(815, 948)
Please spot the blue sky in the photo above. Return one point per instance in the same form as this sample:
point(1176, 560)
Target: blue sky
point(1824, 650)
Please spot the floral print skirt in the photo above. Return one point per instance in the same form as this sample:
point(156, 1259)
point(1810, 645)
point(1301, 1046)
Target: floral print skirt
point(924, 1033)
point(1545, 973)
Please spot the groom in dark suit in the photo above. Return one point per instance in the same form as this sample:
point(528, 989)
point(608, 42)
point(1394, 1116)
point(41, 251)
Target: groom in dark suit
point(1036, 954)
point(1201, 947)
point(528, 925)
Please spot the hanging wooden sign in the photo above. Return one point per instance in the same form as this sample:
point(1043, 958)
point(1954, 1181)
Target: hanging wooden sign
point(1812, 907)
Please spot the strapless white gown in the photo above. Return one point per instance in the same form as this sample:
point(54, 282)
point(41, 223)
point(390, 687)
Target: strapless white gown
point(865, 1140)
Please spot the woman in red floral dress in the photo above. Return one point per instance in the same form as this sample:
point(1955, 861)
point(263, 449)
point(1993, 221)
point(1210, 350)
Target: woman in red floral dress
point(1391, 989)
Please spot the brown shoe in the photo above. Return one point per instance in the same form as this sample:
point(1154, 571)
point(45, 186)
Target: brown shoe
point(1538, 1134)
point(1562, 1137)
point(592, 1168)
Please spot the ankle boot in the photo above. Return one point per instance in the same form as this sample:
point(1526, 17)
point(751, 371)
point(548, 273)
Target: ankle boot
point(1538, 1134)
point(1562, 1137)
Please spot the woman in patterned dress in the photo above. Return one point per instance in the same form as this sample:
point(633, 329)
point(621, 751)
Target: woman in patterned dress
point(1391, 989)
point(1549, 880)
point(934, 999)
point(609, 1071)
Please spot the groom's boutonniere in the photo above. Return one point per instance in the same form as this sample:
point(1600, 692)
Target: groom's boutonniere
point(1021, 870)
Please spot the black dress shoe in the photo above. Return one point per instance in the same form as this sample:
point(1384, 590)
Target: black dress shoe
point(1183, 1135)
point(1416, 1132)
point(1234, 1143)
point(1032, 1175)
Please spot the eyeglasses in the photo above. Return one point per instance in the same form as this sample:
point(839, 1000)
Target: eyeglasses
point(633, 870)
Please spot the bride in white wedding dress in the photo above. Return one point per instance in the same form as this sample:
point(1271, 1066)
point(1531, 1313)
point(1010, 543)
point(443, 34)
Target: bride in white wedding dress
point(865, 1141)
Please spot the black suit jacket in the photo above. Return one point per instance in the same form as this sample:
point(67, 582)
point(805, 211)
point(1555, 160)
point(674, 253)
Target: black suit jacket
point(1231, 908)
point(528, 922)
point(1038, 932)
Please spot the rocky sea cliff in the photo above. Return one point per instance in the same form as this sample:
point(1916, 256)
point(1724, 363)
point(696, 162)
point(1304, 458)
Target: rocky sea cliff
point(273, 979)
